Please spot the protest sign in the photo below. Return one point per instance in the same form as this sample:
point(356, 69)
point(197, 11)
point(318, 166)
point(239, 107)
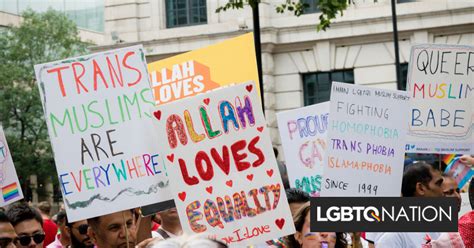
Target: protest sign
point(97, 111)
point(366, 139)
point(9, 185)
point(459, 171)
point(205, 69)
point(225, 177)
point(440, 82)
point(303, 134)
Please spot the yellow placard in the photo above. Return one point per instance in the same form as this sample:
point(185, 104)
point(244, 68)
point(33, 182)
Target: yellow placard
point(188, 74)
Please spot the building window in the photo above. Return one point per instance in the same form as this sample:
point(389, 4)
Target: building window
point(185, 13)
point(404, 72)
point(317, 86)
point(313, 6)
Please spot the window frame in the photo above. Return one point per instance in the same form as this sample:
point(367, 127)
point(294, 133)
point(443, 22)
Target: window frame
point(189, 16)
point(311, 98)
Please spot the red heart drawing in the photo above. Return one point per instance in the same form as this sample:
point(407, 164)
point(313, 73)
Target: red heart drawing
point(260, 129)
point(270, 172)
point(157, 114)
point(229, 183)
point(250, 177)
point(280, 223)
point(170, 157)
point(206, 101)
point(209, 189)
point(249, 87)
point(182, 196)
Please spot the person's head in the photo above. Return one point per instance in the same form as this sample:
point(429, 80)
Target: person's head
point(28, 225)
point(450, 188)
point(169, 217)
point(7, 232)
point(61, 221)
point(44, 207)
point(304, 238)
point(296, 199)
point(113, 230)
point(77, 231)
point(421, 179)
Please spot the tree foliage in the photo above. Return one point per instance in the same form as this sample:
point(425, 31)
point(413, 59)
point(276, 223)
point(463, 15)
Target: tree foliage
point(329, 9)
point(38, 39)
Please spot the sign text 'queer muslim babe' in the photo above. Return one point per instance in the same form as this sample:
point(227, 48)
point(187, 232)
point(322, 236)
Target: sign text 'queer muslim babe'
point(303, 134)
point(366, 139)
point(97, 111)
point(9, 185)
point(220, 160)
point(440, 82)
point(204, 69)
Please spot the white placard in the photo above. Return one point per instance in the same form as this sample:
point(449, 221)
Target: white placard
point(366, 139)
point(225, 177)
point(9, 184)
point(440, 82)
point(303, 134)
point(97, 111)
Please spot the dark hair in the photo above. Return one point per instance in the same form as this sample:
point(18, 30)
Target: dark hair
point(61, 217)
point(4, 217)
point(296, 196)
point(418, 172)
point(299, 219)
point(21, 211)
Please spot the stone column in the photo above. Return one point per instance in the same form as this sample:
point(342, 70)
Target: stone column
point(269, 91)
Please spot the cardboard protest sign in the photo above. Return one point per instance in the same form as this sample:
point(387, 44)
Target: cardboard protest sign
point(204, 69)
point(9, 185)
point(366, 139)
point(97, 111)
point(220, 159)
point(440, 82)
point(303, 134)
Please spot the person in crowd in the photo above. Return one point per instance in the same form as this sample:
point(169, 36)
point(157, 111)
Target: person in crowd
point(55, 217)
point(63, 239)
point(304, 238)
point(466, 222)
point(296, 199)
point(450, 188)
point(170, 225)
point(28, 225)
point(421, 180)
point(49, 227)
point(77, 231)
point(7, 232)
point(116, 230)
